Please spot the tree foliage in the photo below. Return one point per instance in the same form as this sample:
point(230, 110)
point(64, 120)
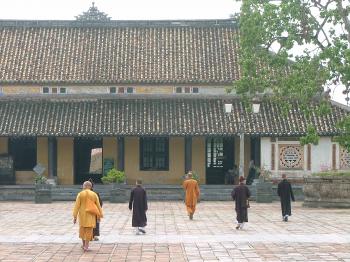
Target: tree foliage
point(297, 49)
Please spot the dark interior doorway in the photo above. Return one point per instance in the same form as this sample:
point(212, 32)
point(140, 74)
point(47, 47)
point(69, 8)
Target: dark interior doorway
point(219, 158)
point(255, 150)
point(88, 158)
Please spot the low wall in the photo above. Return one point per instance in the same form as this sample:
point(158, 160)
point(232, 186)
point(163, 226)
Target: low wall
point(328, 192)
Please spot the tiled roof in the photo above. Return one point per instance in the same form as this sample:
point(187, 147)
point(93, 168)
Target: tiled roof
point(151, 115)
point(112, 52)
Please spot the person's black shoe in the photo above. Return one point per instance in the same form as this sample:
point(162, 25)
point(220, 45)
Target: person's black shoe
point(142, 230)
point(191, 216)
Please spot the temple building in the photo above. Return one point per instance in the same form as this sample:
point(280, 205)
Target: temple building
point(147, 97)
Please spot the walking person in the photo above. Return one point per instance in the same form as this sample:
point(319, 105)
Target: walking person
point(240, 194)
point(138, 205)
point(96, 231)
point(87, 207)
point(285, 193)
point(192, 192)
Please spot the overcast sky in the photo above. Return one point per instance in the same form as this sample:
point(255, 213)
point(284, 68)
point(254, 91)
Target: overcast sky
point(124, 10)
point(119, 9)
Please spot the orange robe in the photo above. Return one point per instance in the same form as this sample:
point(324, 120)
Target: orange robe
point(192, 194)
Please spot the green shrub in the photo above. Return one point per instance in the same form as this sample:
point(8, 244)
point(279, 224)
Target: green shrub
point(332, 173)
point(114, 176)
point(40, 179)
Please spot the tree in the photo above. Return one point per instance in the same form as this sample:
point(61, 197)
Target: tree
point(298, 49)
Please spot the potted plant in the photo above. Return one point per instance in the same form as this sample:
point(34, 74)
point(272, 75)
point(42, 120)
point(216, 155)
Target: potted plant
point(42, 190)
point(263, 186)
point(117, 179)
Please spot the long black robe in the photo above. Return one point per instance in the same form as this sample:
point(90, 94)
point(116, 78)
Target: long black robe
point(240, 195)
point(285, 193)
point(96, 231)
point(138, 204)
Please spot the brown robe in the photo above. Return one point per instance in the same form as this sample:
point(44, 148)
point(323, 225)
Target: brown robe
point(240, 195)
point(138, 204)
point(192, 194)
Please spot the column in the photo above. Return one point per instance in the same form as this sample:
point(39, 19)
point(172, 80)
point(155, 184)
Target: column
point(188, 154)
point(121, 157)
point(52, 157)
point(241, 154)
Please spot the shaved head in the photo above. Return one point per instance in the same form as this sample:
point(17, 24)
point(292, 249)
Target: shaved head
point(87, 185)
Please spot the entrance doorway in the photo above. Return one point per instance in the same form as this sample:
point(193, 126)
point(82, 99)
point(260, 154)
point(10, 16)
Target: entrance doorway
point(88, 158)
point(219, 158)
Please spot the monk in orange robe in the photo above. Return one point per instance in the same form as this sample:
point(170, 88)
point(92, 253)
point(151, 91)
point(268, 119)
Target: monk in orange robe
point(87, 220)
point(191, 194)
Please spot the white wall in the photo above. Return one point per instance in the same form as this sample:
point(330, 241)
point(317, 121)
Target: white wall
point(321, 157)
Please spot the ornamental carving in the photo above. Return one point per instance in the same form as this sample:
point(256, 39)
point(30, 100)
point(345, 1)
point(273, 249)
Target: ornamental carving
point(93, 15)
point(291, 157)
point(344, 159)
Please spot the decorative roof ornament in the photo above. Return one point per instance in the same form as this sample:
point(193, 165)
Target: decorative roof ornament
point(93, 15)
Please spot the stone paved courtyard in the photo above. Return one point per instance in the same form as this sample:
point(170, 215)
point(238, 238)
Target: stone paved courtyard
point(45, 232)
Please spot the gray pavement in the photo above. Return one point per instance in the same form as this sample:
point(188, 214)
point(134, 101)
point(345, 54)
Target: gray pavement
point(45, 232)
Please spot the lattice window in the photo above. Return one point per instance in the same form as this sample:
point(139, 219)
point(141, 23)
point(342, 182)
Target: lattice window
point(344, 159)
point(291, 157)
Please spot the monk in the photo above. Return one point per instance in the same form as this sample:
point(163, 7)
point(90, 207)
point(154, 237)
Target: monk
point(285, 193)
point(87, 221)
point(139, 207)
point(240, 194)
point(191, 194)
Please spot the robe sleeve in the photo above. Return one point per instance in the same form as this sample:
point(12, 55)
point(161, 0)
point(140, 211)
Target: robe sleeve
point(279, 189)
point(291, 192)
point(131, 199)
point(76, 206)
point(99, 205)
point(233, 194)
point(197, 190)
point(145, 199)
point(248, 193)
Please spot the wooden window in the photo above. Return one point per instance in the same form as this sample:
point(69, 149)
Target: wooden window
point(130, 90)
point(195, 90)
point(291, 156)
point(63, 90)
point(112, 90)
point(46, 90)
point(154, 153)
point(178, 90)
point(23, 151)
point(54, 90)
point(215, 152)
point(121, 90)
point(273, 156)
point(187, 90)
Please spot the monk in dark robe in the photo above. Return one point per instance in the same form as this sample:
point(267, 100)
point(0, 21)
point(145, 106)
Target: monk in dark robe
point(96, 232)
point(138, 205)
point(192, 192)
point(285, 193)
point(240, 194)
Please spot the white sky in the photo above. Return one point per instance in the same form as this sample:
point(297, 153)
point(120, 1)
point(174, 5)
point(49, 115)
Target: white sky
point(126, 10)
point(119, 9)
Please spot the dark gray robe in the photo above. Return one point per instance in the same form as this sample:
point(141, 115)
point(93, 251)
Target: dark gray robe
point(285, 193)
point(240, 195)
point(96, 231)
point(138, 204)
